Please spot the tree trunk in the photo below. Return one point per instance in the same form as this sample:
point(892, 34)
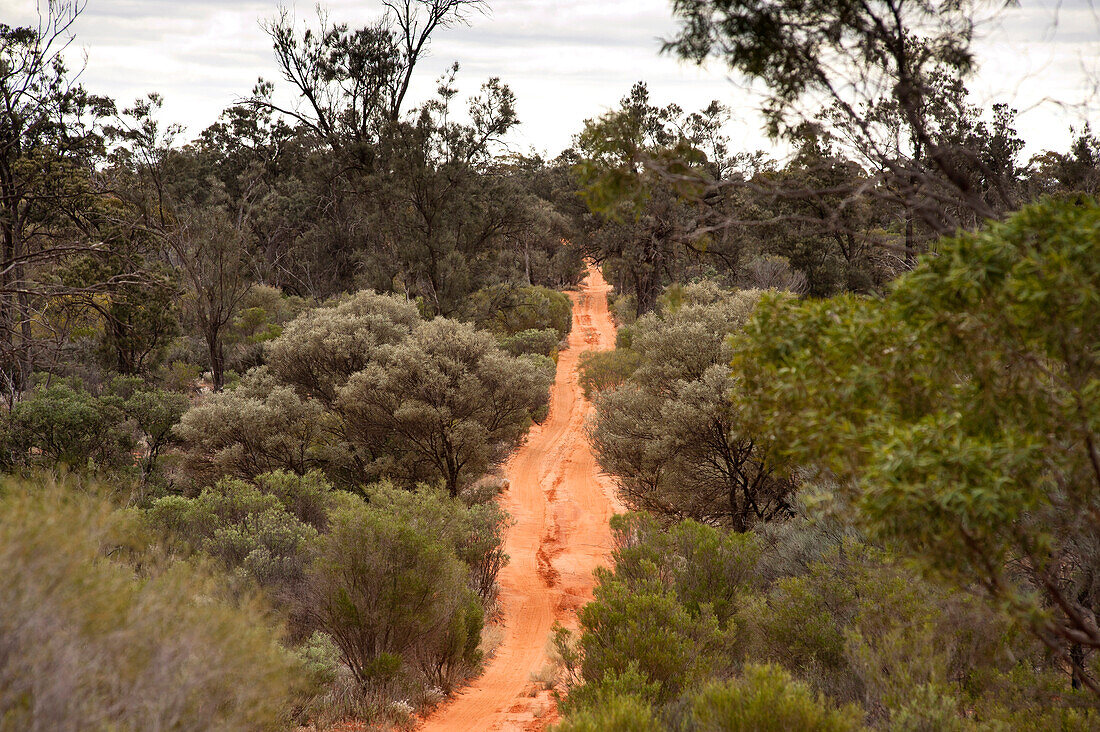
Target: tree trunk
point(737, 511)
point(910, 245)
point(527, 259)
point(217, 359)
point(22, 309)
point(452, 475)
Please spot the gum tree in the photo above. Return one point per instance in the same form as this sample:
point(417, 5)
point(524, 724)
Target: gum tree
point(960, 418)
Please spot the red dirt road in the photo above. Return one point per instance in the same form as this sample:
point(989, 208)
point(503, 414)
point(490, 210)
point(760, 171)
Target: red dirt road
point(561, 506)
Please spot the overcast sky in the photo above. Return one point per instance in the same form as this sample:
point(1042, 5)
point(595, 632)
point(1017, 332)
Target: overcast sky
point(566, 60)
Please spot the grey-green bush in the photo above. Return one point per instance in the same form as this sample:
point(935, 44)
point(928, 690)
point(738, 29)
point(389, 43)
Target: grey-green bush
point(256, 427)
point(87, 644)
point(669, 428)
point(446, 404)
point(319, 350)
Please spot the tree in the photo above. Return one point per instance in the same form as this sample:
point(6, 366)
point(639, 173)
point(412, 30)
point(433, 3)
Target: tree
point(508, 309)
point(321, 349)
point(364, 390)
point(354, 83)
point(672, 434)
point(137, 316)
point(883, 77)
point(257, 427)
point(66, 423)
point(51, 138)
point(475, 533)
point(154, 414)
point(820, 213)
point(444, 211)
point(648, 224)
point(844, 626)
point(209, 247)
point(445, 404)
point(959, 417)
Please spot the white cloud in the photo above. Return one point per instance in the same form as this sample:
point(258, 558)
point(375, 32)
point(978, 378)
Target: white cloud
point(567, 60)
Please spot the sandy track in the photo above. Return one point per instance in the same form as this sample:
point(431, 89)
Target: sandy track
point(561, 506)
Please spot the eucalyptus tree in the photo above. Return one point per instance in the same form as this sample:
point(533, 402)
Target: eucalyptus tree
point(885, 78)
point(51, 139)
point(632, 164)
point(958, 419)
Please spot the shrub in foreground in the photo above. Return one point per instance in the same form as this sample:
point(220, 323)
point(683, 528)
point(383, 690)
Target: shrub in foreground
point(393, 597)
point(84, 643)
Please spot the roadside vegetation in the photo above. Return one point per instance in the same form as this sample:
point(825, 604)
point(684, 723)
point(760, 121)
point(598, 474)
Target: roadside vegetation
point(928, 560)
point(258, 384)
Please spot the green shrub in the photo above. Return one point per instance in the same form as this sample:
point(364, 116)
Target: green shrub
point(509, 309)
point(624, 308)
point(705, 567)
point(392, 595)
point(604, 370)
point(614, 714)
point(365, 390)
point(84, 643)
point(958, 417)
point(541, 342)
point(603, 691)
point(249, 530)
point(64, 422)
point(153, 414)
point(767, 699)
point(475, 533)
point(642, 625)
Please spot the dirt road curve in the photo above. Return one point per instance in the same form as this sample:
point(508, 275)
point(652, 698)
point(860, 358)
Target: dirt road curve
point(561, 507)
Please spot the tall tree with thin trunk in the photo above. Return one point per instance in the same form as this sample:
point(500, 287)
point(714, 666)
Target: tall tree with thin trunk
point(209, 248)
point(50, 140)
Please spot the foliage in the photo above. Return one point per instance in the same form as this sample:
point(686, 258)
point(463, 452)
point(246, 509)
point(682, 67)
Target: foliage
point(257, 427)
point(530, 342)
point(64, 422)
point(509, 310)
point(154, 414)
point(605, 370)
point(766, 698)
point(262, 531)
point(444, 404)
point(644, 225)
point(885, 78)
point(365, 389)
point(61, 421)
point(53, 137)
point(614, 714)
point(475, 533)
point(208, 245)
point(321, 349)
point(262, 314)
point(668, 632)
point(672, 432)
point(835, 622)
point(390, 593)
point(960, 415)
point(84, 639)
